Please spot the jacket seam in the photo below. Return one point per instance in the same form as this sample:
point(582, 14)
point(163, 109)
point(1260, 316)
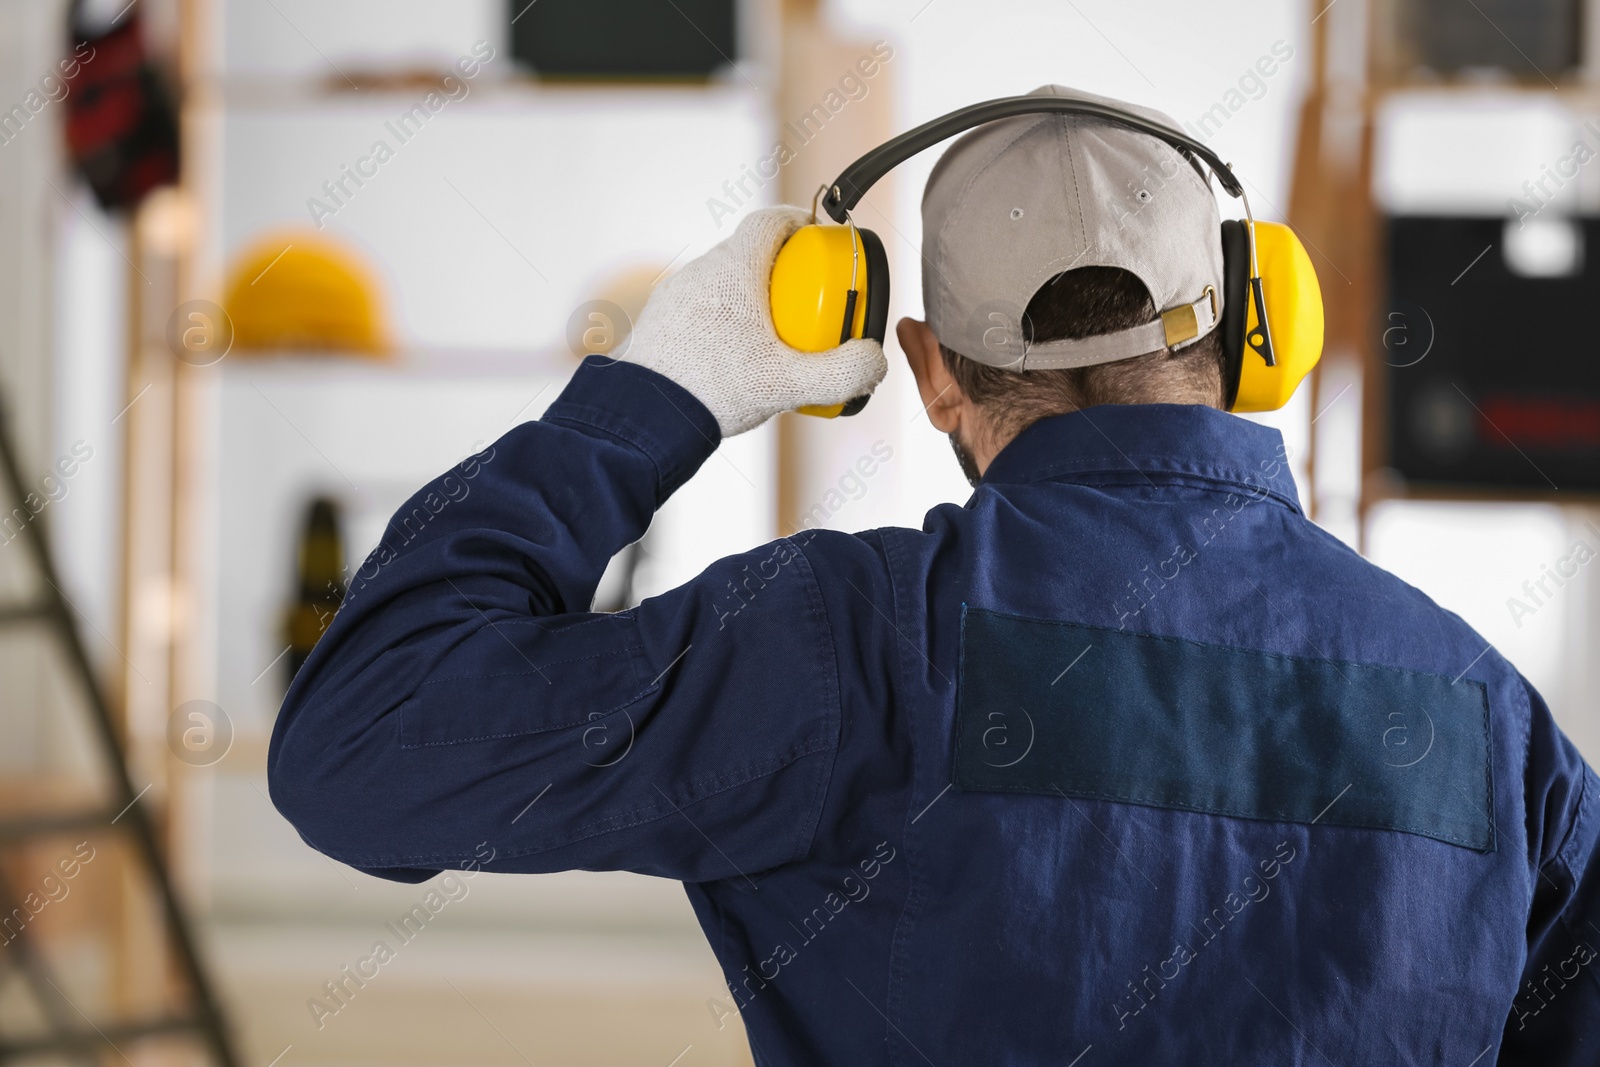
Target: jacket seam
point(523, 674)
point(1488, 767)
point(1570, 836)
point(1564, 918)
point(909, 907)
point(1072, 474)
point(721, 783)
point(412, 746)
point(582, 416)
point(824, 778)
point(1580, 813)
point(621, 821)
point(1173, 804)
point(1234, 648)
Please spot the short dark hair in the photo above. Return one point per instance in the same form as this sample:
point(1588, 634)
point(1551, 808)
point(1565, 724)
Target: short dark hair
point(1081, 303)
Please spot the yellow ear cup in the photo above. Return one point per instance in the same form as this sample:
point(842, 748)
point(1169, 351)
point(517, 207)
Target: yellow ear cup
point(1294, 316)
point(809, 290)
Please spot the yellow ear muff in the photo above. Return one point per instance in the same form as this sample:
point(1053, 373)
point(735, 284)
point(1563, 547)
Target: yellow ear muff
point(1293, 301)
point(810, 293)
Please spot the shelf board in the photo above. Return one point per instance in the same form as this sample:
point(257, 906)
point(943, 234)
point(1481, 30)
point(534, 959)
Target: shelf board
point(422, 365)
point(511, 94)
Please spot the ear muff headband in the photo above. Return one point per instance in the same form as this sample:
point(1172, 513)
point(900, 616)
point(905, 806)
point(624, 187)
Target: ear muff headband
point(1242, 280)
point(848, 189)
point(1280, 324)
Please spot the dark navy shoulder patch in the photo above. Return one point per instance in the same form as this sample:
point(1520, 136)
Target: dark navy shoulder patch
point(1084, 711)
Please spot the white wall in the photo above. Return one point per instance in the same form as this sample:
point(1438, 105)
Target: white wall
point(487, 230)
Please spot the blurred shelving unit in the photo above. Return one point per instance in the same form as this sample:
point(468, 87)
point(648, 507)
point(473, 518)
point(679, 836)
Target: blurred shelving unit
point(489, 227)
point(1399, 122)
point(1430, 118)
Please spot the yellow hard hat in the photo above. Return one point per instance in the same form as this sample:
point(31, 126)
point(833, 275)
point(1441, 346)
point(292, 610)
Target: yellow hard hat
point(299, 290)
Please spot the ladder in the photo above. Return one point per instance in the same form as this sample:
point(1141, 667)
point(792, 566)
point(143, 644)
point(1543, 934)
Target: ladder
point(69, 1032)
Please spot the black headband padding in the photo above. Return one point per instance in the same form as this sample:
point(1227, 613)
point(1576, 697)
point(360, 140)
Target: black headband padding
point(877, 317)
point(877, 259)
point(848, 189)
point(1235, 310)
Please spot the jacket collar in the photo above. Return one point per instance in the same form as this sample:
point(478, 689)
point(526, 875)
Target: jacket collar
point(1144, 444)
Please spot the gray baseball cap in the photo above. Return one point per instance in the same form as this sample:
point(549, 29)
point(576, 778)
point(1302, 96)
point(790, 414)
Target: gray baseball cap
point(1014, 203)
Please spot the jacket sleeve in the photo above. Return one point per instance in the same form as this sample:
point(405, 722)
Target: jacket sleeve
point(1555, 1018)
point(464, 708)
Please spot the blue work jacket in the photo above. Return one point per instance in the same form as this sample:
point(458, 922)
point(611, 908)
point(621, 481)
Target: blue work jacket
point(1123, 762)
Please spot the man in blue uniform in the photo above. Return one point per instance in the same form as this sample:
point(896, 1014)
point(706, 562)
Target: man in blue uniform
point(1124, 761)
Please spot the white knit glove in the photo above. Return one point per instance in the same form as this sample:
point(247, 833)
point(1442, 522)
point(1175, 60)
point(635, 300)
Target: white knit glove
point(709, 328)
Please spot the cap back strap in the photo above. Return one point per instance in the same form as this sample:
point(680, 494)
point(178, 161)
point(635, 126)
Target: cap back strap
point(1177, 327)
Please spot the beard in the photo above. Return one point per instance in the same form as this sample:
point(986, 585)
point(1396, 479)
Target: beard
point(969, 466)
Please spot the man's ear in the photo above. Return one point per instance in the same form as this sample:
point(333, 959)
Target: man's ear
point(941, 396)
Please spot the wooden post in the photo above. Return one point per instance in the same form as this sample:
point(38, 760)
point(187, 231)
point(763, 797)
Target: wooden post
point(813, 60)
point(1331, 207)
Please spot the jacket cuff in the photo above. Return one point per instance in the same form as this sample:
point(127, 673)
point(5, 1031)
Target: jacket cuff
point(642, 408)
